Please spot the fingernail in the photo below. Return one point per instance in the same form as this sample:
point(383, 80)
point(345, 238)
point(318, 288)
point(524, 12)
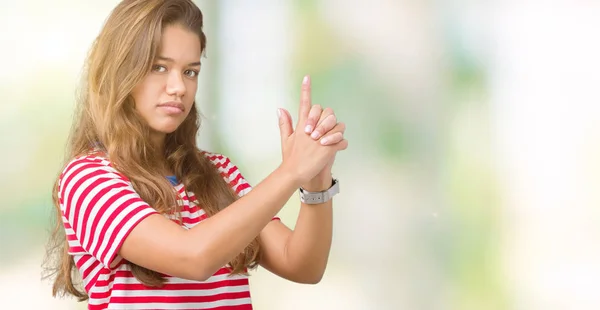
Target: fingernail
point(278, 113)
point(305, 80)
point(308, 128)
point(324, 141)
point(315, 134)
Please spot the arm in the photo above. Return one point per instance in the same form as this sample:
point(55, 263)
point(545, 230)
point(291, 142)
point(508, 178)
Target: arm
point(161, 245)
point(110, 219)
point(300, 255)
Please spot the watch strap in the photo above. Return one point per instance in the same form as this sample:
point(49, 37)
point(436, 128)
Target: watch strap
point(312, 198)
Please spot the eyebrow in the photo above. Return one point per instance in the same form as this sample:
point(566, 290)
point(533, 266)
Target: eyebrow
point(193, 64)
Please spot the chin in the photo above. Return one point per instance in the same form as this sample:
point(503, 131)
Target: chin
point(166, 128)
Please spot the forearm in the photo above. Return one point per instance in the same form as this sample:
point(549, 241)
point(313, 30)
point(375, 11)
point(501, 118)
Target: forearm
point(308, 246)
point(224, 235)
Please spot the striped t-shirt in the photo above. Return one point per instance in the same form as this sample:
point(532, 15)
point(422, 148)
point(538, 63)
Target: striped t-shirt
point(100, 208)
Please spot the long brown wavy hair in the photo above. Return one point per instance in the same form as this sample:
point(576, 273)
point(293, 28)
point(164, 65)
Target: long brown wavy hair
point(120, 57)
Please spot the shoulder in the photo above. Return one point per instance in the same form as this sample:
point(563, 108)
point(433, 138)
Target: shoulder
point(219, 160)
point(86, 161)
point(88, 166)
point(229, 171)
point(92, 159)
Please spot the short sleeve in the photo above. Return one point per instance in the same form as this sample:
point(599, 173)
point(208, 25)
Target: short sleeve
point(100, 206)
point(231, 174)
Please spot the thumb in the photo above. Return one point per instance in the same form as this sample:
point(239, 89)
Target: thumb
point(285, 124)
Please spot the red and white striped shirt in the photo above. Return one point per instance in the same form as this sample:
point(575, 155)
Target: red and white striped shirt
point(100, 208)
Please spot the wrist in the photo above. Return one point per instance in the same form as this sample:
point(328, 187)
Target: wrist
point(287, 176)
point(319, 183)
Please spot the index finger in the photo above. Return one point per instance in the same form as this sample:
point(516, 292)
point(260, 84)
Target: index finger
point(305, 101)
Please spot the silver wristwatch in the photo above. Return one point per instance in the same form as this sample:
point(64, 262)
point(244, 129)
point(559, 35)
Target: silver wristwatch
point(314, 198)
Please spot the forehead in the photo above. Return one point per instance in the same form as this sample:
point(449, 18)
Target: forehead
point(180, 44)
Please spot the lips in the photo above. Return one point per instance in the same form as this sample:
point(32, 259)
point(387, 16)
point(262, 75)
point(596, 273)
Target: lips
point(173, 105)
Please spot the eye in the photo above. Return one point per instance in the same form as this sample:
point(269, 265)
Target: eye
point(191, 73)
point(159, 68)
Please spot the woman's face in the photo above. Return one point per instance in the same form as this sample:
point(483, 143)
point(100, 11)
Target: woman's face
point(165, 96)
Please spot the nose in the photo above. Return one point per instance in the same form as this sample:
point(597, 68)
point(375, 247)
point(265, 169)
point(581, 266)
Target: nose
point(175, 85)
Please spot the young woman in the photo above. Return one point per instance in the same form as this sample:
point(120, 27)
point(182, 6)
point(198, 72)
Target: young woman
point(149, 221)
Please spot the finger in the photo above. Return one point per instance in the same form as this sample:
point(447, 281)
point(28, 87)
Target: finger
point(313, 118)
point(305, 101)
point(339, 128)
point(332, 138)
point(324, 126)
point(325, 114)
point(342, 145)
point(285, 124)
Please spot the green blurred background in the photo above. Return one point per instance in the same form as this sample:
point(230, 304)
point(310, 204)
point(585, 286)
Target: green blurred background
point(471, 180)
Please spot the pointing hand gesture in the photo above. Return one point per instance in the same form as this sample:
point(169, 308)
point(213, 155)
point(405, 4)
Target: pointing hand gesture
point(309, 150)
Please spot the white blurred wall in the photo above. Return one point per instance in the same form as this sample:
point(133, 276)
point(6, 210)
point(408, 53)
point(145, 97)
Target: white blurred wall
point(545, 78)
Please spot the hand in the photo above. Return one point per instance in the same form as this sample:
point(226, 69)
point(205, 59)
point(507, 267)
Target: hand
point(322, 125)
point(303, 156)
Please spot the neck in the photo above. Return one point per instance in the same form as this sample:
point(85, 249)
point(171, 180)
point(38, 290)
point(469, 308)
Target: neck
point(158, 141)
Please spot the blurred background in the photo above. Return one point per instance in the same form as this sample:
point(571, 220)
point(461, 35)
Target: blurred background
point(471, 180)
